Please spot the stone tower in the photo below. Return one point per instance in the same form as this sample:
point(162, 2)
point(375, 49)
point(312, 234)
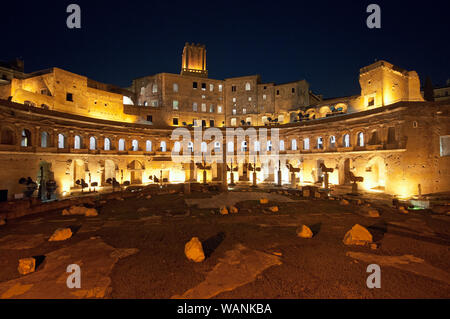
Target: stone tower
point(194, 60)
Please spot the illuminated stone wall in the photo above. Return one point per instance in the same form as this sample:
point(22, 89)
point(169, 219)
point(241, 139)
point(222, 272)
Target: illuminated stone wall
point(50, 90)
point(394, 148)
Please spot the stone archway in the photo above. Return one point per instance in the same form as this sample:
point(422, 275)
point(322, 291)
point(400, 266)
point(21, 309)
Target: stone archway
point(376, 174)
point(344, 170)
point(109, 171)
point(136, 168)
point(44, 175)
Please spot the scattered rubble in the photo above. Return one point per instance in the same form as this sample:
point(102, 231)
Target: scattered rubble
point(273, 209)
point(80, 210)
point(91, 212)
point(26, 266)
point(194, 250)
point(370, 212)
point(61, 234)
point(233, 210)
point(403, 210)
point(441, 209)
point(344, 202)
point(358, 235)
point(264, 201)
point(373, 246)
point(304, 232)
point(306, 193)
point(316, 195)
point(223, 211)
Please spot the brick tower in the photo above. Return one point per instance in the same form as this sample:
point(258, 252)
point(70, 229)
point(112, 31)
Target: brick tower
point(194, 60)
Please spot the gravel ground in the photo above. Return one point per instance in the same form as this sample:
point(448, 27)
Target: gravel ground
point(319, 267)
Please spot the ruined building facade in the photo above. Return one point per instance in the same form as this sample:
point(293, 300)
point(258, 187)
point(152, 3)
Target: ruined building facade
point(59, 125)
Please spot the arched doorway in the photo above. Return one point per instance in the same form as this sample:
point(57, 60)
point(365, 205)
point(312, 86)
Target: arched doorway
point(136, 169)
point(319, 174)
point(344, 171)
point(375, 178)
point(79, 171)
point(109, 171)
point(43, 176)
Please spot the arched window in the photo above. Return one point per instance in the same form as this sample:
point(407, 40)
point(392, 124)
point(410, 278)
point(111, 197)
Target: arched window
point(306, 143)
point(244, 146)
point(281, 145)
point(44, 139)
point(230, 147)
point(204, 147)
point(360, 141)
point(190, 147)
point(135, 145)
point(92, 143)
point(346, 140)
point(163, 146)
point(374, 138)
point(176, 147)
point(121, 145)
point(7, 136)
point(269, 146)
point(216, 146)
point(26, 138)
point(294, 144)
point(332, 141)
point(148, 146)
point(107, 143)
point(320, 143)
point(76, 142)
point(248, 87)
point(61, 141)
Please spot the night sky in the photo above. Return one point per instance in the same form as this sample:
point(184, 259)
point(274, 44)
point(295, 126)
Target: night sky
point(324, 42)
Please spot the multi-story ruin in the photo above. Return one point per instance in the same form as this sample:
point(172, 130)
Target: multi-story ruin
point(57, 125)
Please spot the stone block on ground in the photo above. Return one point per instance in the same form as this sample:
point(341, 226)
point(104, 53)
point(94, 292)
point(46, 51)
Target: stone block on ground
point(273, 209)
point(403, 210)
point(223, 211)
point(91, 212)
point(233, 210)
point(26, 266)
point(264, 201)
point(80, 210)
point(61, 234)
point(358, 235)
point(371, 212)
point(304, 232)
point(344, 202)
point(306, 193)
point(194, 250)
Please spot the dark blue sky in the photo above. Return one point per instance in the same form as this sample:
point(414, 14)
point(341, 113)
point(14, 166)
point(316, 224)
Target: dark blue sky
point(324, 42)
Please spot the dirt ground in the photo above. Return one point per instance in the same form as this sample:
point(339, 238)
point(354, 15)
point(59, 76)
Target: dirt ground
point(252, 254)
